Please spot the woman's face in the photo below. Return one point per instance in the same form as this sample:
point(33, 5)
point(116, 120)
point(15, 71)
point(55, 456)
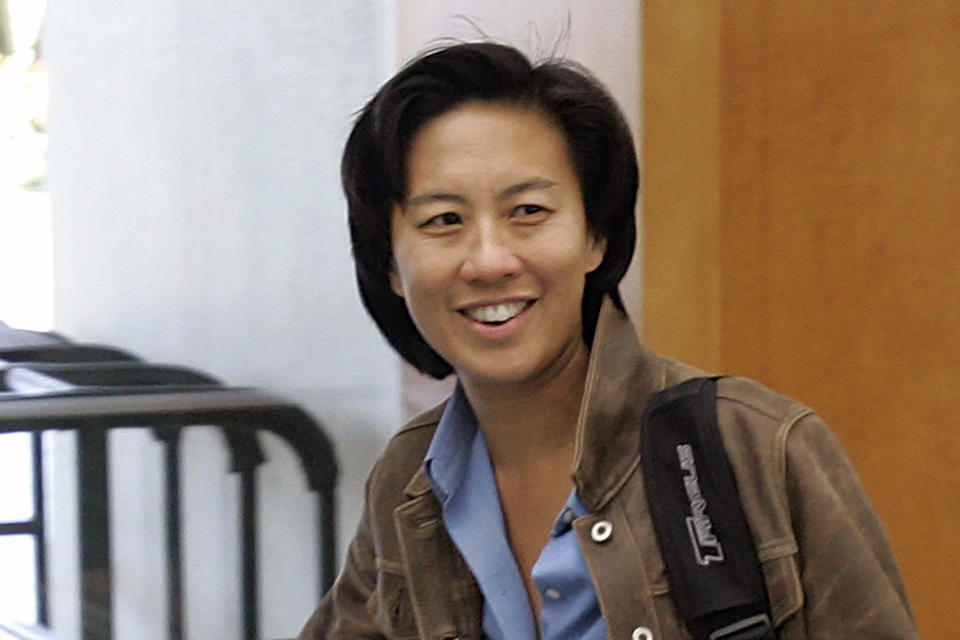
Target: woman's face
point(491, 246)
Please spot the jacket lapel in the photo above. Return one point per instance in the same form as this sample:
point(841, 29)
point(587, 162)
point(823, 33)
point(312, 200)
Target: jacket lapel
point(446, 599)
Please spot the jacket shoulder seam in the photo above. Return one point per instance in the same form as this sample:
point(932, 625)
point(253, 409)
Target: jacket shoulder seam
point(783, 413)
point(790, 410)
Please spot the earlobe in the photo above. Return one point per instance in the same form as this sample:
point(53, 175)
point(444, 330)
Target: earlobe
point(396, 283)
point(598, 249)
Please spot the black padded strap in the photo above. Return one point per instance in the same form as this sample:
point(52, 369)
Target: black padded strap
point(711, 561)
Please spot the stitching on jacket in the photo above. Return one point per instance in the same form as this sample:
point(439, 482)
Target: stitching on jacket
point(783, 434)
point(592, 375)
point(389, 566)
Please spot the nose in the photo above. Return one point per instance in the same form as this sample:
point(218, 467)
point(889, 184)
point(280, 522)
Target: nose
point(490, 256)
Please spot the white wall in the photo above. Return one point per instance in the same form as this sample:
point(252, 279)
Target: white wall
point(198, 220)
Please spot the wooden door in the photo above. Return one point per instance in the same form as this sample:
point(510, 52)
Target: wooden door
point(801, 206)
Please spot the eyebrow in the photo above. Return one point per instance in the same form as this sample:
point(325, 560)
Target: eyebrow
point(528, 185)
point(443, 196)
point(435, 196)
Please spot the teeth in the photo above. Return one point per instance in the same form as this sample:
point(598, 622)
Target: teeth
point(496, 312)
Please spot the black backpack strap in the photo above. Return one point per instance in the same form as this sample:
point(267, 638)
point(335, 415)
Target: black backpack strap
point(707, 548)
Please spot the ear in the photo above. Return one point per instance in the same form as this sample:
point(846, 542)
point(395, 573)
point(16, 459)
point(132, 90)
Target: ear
point(596, 252)
point(395, 282)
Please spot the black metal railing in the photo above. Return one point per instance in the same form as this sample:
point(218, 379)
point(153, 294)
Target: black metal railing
point(92, 390)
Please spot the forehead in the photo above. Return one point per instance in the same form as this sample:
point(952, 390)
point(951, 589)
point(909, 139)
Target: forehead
point(489, 141)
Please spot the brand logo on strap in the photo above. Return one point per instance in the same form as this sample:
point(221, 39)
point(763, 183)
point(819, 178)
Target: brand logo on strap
point(706, 546)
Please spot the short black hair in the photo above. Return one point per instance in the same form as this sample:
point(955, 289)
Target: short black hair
point(373, 170)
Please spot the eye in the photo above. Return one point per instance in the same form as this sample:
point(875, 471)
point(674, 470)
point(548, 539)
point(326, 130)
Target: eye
point(443, 220)
point(527, 210)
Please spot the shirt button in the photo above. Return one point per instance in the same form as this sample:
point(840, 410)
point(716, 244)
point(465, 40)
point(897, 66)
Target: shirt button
point(642, 633)
point(567, 516)
point(601, 531)
point(553, 594)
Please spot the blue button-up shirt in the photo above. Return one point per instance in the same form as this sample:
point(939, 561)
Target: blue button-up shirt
point(459, 468)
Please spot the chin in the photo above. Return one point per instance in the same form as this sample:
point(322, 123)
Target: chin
point(500, 372)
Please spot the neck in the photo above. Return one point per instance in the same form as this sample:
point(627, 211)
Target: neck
point(530, 422)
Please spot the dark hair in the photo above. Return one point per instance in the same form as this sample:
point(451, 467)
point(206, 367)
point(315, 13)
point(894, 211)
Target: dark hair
point(374, 167)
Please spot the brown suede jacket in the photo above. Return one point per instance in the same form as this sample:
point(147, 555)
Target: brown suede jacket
point(829, 570)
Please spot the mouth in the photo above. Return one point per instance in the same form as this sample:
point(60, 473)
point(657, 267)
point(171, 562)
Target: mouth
point(497, 314)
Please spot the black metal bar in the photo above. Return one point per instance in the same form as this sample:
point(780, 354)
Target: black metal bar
point(245, 411)
point(115, 374)
point(39, 516)
point(251, 596)
point(67, 352)
point(27, 527)
point(171, 448)
point(95, 590)
point(327, 525)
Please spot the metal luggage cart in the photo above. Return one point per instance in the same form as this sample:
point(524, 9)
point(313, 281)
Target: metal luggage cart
point(93, 389)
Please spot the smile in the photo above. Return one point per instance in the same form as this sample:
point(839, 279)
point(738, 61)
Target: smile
point(496, 313)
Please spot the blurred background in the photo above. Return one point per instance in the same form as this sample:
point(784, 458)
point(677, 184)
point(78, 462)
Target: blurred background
point(169, 185)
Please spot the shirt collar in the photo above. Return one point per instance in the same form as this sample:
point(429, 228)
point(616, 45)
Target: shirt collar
point(451, 444)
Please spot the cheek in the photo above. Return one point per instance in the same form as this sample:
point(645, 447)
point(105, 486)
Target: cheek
point(404, 270)
point(415, 274)
point(571, 256)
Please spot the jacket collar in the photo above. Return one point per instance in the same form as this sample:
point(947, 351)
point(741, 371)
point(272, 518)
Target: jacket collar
point(621, 377)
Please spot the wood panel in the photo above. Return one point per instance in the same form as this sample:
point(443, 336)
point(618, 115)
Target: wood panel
point(837, 241)
point(681, 184)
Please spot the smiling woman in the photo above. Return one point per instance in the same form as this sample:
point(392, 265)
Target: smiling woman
point(491, 207)
point(492, 247)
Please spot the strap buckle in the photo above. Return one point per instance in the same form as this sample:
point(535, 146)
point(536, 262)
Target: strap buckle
point(756, 627)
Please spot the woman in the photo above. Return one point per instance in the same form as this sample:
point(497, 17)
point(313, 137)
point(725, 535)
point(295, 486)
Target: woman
point(491, 208)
